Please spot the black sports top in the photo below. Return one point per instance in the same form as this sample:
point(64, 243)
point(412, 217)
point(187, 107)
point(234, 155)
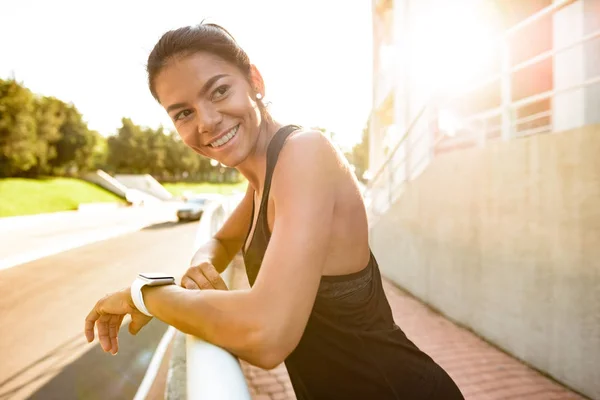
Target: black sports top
point(351, 347)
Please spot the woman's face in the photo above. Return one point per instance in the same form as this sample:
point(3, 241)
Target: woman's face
point(212, 105)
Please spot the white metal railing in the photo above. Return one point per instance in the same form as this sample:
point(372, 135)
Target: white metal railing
point(425, 136)
point(212, 372)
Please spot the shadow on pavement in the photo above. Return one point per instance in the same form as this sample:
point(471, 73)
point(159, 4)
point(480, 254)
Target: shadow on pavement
point(163, 225)
point(61, 352)
point(94, 375)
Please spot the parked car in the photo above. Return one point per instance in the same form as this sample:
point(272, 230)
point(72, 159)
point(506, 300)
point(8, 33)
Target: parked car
point(191, 209)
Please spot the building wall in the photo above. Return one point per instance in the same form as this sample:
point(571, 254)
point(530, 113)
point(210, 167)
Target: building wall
point(577, 65)
point(506, 240)
point(591, 24)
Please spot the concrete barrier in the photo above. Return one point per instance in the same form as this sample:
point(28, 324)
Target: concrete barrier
point(197, 369)
point(98, 207)
point(144, 183)
point(506, 241)
point(107, 182)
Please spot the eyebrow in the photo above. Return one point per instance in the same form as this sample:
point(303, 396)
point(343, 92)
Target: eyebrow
point(203, 90)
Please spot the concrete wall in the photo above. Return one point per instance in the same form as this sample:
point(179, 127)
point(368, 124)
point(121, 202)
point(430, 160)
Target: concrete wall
point(506, 240)
point(144, 183)
point(107, 182)
point(591, 24)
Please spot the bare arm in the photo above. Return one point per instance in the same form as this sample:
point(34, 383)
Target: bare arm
point(264, 324)
point(211, 259)
point(224, 245)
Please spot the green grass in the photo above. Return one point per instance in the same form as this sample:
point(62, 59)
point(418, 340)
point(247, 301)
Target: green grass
point(177, 189)
point(34, 196)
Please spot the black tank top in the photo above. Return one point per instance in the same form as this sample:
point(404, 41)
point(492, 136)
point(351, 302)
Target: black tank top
point(351, 348)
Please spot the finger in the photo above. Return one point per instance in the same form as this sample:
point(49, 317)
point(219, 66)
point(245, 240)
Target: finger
point(213, 276)
point(103, 332)
point(121, 320)
point(90, 322)
point(138, 321)
point(113, 332)
point(195, 273)
point(189, 283)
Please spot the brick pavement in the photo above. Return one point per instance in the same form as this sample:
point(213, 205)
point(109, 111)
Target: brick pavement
point(482, 371)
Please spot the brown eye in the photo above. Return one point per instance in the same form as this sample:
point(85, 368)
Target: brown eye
point(220, 92)
point(182, 114)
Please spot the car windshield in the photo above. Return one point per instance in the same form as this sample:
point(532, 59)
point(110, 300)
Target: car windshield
point(197, 201)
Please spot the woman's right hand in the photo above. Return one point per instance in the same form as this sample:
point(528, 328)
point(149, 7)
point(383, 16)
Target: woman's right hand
point(203, 276)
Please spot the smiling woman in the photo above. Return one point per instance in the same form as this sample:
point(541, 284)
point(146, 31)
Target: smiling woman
point(210, 90)
point(316, 300)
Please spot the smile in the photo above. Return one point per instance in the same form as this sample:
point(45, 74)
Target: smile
point(225, 138)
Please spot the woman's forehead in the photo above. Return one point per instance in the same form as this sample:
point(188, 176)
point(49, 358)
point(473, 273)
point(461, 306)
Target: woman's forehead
point(189, 72)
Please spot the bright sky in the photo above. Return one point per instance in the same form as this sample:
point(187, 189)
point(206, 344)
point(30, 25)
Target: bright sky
point(315, 55)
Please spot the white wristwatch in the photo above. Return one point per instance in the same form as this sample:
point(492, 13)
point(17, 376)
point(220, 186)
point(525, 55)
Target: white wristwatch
point(147, 279)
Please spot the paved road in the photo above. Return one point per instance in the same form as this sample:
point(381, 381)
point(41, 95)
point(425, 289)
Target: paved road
point(24, 239)
point(43, 353)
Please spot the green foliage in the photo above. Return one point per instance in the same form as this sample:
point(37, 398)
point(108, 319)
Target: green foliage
point(359, 156)
point(49, 116)
point(76, 145)
point(125, 150)
point(17, 128)
point(180, 160)
point(42, 135)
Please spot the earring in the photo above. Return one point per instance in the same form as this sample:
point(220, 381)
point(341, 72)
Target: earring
point(259, 96)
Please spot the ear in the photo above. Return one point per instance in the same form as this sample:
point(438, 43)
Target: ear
point(256, 81)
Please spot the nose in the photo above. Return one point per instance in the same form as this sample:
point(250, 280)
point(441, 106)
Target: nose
point(209, 119)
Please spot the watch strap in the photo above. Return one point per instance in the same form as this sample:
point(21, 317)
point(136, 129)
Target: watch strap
point(137, 297)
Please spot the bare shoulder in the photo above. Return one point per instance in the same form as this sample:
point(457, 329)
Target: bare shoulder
point(308, 159)
point(311, 145)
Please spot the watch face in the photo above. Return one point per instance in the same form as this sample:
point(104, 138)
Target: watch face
point(155, 275)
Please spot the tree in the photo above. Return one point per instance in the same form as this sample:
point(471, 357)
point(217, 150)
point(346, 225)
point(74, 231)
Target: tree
point(181, 161)
point(76, 145)
point(17, 129)
point(50, 114)
point(156, 145)
point(359, 156)
point(100, 153)
point(127, 150)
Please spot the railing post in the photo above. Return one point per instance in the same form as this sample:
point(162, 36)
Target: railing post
point(389, 185)
point(483, 134)
point(212, 372)
point(433, 126)
point(406, 146)
point(505, 89)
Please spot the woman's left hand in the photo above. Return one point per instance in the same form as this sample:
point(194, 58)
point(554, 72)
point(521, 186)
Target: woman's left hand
point(108, 314)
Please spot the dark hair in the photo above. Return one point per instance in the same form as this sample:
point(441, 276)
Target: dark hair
point(211, 38)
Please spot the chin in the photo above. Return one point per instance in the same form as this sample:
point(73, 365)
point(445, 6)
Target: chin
point(233, 161)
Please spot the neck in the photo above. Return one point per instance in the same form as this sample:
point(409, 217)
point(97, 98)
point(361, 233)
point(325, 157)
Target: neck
point(255, 165)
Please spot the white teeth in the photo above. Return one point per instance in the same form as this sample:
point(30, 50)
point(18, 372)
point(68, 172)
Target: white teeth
point(226, 138)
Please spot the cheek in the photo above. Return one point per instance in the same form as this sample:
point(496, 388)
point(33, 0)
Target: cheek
point(190, 138)
point(241, 104)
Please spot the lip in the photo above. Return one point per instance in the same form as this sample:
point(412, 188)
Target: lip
point(220, 135)
point(228, 144)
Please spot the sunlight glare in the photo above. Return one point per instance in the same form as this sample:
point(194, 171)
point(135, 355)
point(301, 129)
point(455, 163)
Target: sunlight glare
point(452, 45)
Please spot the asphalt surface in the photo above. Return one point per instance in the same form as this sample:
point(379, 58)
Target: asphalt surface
point(43, 304)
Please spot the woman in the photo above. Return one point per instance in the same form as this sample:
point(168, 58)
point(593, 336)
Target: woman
point(316, 300)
